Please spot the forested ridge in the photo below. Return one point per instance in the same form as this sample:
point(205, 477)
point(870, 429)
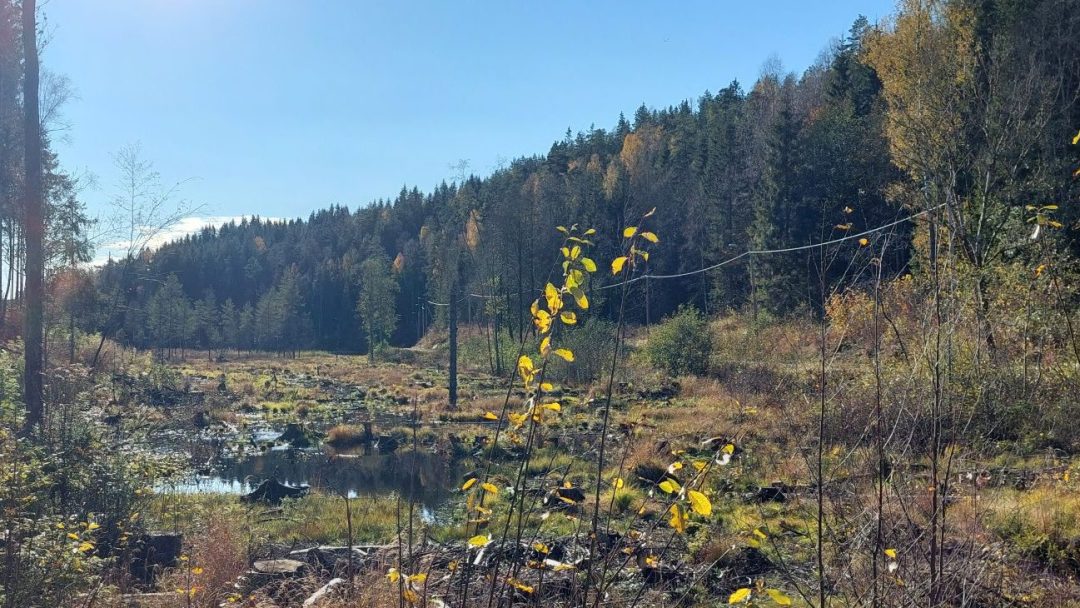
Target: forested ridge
point(781, 164)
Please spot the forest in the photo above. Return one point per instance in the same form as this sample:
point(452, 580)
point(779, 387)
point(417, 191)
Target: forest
point(809, 340)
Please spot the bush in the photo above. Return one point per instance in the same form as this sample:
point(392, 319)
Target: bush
point(681, 344)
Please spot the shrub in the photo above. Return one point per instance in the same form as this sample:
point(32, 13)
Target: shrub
point(681, 344)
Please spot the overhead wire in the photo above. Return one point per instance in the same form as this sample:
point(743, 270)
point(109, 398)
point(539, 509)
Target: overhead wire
point(733, 259)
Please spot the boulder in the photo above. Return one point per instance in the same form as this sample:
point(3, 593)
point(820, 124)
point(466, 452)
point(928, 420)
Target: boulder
point(272, 492)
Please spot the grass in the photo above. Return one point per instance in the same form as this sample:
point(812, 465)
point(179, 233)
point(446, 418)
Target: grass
point(314, 519)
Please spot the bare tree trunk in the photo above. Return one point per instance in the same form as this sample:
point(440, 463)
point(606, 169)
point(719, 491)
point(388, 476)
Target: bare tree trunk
point(453, 346)
point(34, 225)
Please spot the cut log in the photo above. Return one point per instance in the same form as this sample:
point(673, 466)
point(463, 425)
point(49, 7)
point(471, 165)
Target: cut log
point(267, 571)
point(317, 598)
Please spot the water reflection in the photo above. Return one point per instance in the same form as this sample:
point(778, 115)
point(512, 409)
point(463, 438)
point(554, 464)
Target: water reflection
point(419, 476)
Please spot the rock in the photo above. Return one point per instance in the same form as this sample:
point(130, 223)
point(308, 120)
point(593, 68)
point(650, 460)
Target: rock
point(388, 444)
point(297, 436)
point(565, 498)
point(769, 494)
point(153, 553)
point(748, 562)
point(649, 473)
point(272, 492)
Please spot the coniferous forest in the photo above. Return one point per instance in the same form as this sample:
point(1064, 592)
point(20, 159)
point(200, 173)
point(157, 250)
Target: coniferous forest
point(807, 340)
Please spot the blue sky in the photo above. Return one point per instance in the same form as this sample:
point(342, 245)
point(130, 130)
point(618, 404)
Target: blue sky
point(281, 107)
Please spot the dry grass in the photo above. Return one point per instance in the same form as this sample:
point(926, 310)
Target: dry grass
point(345, 436)
point(215, 557)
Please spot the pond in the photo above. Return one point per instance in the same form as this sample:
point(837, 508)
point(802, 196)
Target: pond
point(423, 477)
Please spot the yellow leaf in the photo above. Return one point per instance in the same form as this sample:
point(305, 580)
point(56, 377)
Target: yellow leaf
point(196, 571)
point(670, 486)
point(479, 540)
point(555, 407)
point(542, 320)
point(700, 503)
point(581, 299)
point(629, 231)
point(554, 302)
point(678, 518)
point(1076, 139)
point(575, 252)
point(541, 548)
point(418, 578)
point(863, 242)
point(468, 484)
point(520, 586)
point(545, 345)
point(547, 386)
point(490, 416)
point(729, 449)
point(411, 596)
point(566, 354)
point(778, 597)
point(890, 553)
point(619, 483)
point(490, 488)
point(85, 546)
point(92, 527)
point(568, 317)
point(588, 264)
point(758, 533)
point(565, 252)
point(617, 264)
point(740, 595)
point(73, 536)
point(649, 236)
